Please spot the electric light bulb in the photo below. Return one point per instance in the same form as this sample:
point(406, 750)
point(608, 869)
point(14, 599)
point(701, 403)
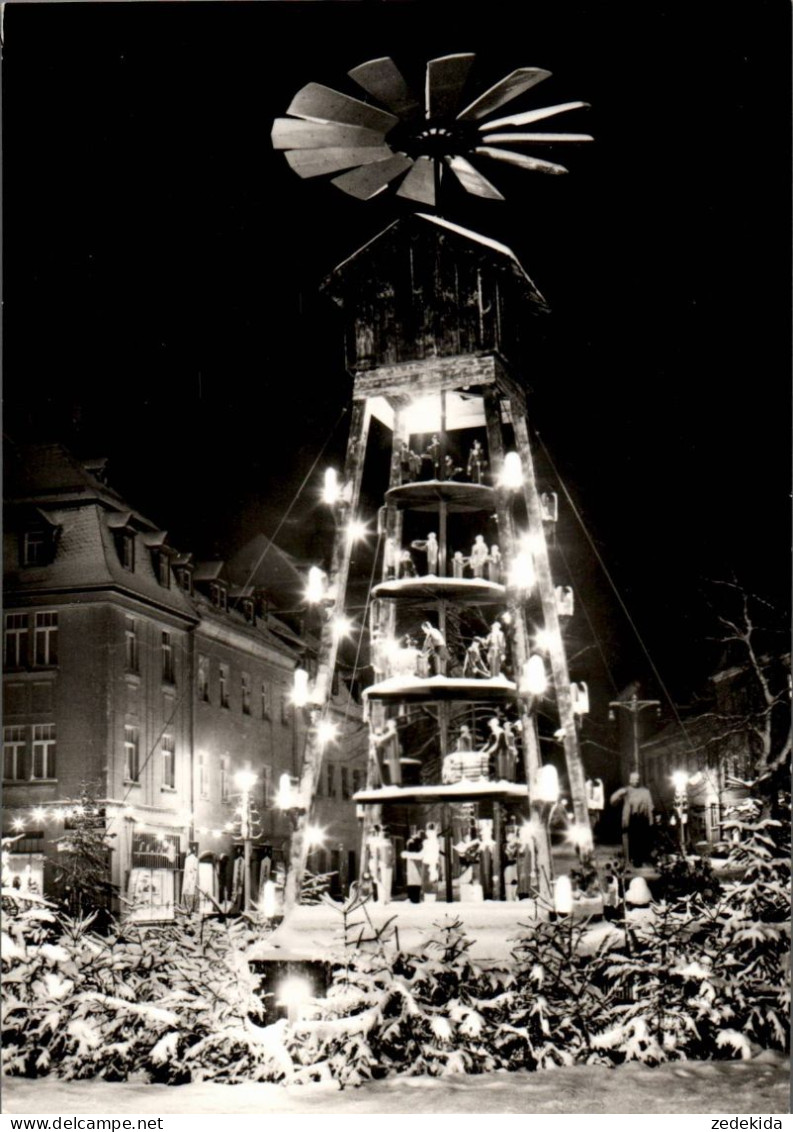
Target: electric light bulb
point(563, 896)
point(547, 784)
point(534, 680)
point(512, 471)
point(330, 492)
point(521, 572)
point(356, 530)
point(315, 835)
point(327, 732)
point(300, 689)
point(342, 627)
point(315, 591)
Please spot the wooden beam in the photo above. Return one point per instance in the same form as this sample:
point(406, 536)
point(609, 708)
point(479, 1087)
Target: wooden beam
point(428, 375)
point(557, 656)
point(326, 658)
point(520, 636)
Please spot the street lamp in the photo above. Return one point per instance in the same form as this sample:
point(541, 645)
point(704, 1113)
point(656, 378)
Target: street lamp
point(634, 705)
point(680, 781)
point(245, 780)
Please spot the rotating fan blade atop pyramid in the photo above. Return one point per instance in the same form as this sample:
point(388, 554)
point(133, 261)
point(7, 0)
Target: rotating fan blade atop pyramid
point(407, 141)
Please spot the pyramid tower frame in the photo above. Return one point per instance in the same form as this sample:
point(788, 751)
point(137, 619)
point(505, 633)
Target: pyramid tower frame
point(398, 369)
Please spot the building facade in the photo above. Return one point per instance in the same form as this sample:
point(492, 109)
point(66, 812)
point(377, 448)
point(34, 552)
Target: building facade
point(143, 681)
point(741, 723)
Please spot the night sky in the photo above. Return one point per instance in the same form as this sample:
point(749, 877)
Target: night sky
point(162, 267)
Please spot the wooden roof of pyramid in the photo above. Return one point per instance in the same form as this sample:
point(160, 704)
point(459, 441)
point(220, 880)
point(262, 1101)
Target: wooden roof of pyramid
point(425, 287)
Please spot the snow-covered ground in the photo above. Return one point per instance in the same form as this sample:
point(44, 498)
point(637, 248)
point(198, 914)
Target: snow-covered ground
point(759, 1087)
point(491, 925)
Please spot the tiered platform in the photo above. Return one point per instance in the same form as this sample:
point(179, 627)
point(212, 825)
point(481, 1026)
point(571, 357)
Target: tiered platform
point(415, 689)
point(426, 495)
point(430, 588)
point(499, 791)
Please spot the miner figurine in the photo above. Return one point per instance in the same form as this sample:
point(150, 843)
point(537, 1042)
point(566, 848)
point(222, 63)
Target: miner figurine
point(496, 648)
point(434, 648)
point(479, 557)
point(433, 454)
point(407, 567)
point(430, 546)
point(494, 564)
point(476, 463)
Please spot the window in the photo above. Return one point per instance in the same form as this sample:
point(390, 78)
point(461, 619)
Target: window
point(13, 753)
point(246, 693)
point(45, 639)
point(164, 569)
point(248, 610)
point(168, 762)
point(167, 658)
point(34, 548)
point(131, 754)
point(43, 751)
point(217, 595)
point(285, 715)
point(184, 578)
point(203, 775)
point(345, 782)
point(224, 685)
point(267, 784)
point(329, 779)
point(266, 700)
point(224, 779)
point(203, 679)
point(125, 543)
point(131, 644)
point(16, 640)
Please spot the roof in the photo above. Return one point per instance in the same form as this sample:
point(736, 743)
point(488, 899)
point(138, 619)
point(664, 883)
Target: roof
point(501, 254)
point(49, 473)
point(87, 559)
point(209, 571)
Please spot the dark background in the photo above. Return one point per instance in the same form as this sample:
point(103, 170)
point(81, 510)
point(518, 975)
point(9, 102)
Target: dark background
point(162, 267)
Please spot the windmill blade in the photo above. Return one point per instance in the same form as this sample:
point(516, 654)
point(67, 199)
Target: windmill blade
point(520, 159)
point(384, 81)
point(530, 116)
point(420, 182)
point(315, 162)
point(370, 180)
point(321, 104)
point(504, 91)
point(444, 84)
point(472, 180)
point(296, 133)
point(543, 139)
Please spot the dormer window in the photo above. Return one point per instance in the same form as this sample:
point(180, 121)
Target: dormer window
point(34, 544)
point(38, 537)
point(184, 579)
point(248, 610)
point(162, 566)
point(217, 595)
point(124, 535)
point(125, 544)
